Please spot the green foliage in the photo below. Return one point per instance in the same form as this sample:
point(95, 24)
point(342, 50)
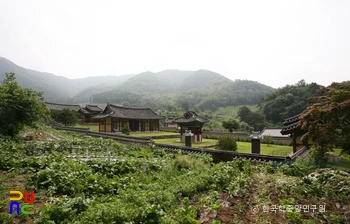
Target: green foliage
point(287, 101)
point(268, 140)
point(65, 116)
point(186, 105)
point(227, 142)
point(319, 155)
point(19, 107)
point(293, 217)
point(296, 170)
point(327, 118)
point(95, 180)
point(246, 127)
point(203, 90)
point(253, 119)
point(126, 130)
point(185, 162)
point(231, 125)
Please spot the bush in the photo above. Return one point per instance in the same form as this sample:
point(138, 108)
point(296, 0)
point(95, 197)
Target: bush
point(186, 162)
point(65, 116)
point(227, 142)
point(125, 130)
point(319, 155)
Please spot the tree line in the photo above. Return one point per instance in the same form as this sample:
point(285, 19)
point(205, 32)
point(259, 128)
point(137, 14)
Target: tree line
point(325, 111)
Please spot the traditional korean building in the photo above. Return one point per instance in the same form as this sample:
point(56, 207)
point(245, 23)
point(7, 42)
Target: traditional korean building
point(58, 106)
point(273, 132)
point(113, 118)
point(169, 123)
point(88, 112)
point(292, 127)
point(191, 121)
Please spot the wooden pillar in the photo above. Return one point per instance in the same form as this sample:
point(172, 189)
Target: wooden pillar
point(294, 144)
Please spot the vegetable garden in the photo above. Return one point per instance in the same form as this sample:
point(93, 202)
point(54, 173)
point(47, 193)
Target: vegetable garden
point(93, 180)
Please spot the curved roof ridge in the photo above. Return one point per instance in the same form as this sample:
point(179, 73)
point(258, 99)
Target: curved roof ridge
point(134, 108)
point(62, 104)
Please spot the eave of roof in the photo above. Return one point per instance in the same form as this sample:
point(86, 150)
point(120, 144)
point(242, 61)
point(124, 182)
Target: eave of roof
point(128, 113)
point(190, 117)
point(93, 108)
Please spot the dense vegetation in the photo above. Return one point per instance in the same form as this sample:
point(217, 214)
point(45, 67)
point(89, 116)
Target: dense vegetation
point(287, 101)
point(205, 89)
point(169, 90)
point(19, 107)
point(85, 180)
point(65, 116)
point(327, 118)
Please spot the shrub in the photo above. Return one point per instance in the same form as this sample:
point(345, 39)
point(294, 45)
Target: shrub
point(227, 142)
point(319, 155)
point(186, 162)
point(125, 130)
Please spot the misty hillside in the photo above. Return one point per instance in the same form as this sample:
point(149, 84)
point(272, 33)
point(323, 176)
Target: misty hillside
point(203, 89)
point(57, 88)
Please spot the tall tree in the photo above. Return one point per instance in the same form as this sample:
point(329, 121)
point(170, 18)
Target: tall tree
point(327, 118)
point(230, 125)
point(287, 101)
point(253, 119)
point(65, 116)
point(186, 105)
point(19, 106)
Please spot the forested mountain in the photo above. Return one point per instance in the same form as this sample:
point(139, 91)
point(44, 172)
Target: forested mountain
point(169, 89)
point(58, 89)
point(287, 101)
point(203, 89)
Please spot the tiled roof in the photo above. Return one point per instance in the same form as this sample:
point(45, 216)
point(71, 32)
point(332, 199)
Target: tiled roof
point(190, 116)
point(291, 125)
point(169, 120)
point(86, 112)
point(93, 108)
point(274, 132)
point(128, 113)
point(57, 106)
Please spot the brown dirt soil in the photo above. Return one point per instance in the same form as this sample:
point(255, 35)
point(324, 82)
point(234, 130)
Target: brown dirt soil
point(232, 211)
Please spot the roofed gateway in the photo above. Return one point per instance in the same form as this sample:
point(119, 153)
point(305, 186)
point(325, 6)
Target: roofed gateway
point(88, 112)
point(191, 121)
point(292, 127)
point(113, 118)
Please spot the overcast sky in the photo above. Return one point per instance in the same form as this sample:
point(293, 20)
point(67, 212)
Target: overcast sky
point(273, 42)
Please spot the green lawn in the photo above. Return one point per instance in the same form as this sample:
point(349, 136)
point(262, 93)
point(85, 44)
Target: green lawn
point(150, 134)
point(93, 127)
point(345, 161)
point(176, 141)
point(277, 150)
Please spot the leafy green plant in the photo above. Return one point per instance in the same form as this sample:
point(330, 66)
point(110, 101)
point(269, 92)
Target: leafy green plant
point(126, 130)
point(227, 142)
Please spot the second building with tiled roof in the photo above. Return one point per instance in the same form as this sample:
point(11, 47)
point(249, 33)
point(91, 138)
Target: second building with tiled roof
point(114, 117)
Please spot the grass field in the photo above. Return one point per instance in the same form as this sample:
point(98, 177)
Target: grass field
point(156, 133)
point(275, 150)
point(345, 161)
point(245, 147)
point(92, 127)
point(176, 141)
